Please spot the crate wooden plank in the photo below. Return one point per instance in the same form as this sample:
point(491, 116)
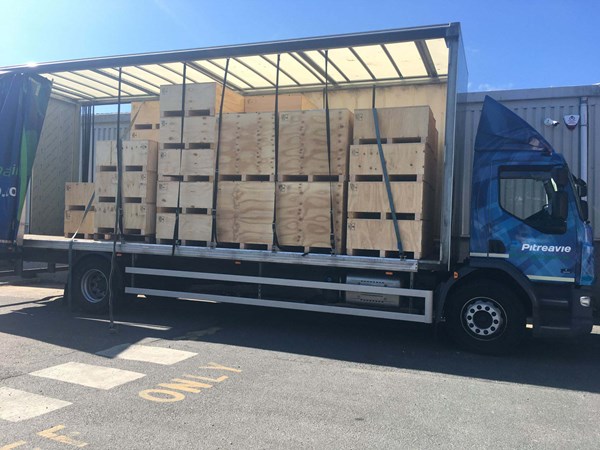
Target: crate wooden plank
point(134, 185)
point(286, 102)
point(186, 162)
point(412, 122)
point(401, 159)
point(73, 222)
point(303, 214)
point(202, 98)
point(77, 195)
point(145, 120)
point(196, 130)
point(193, 194)
point(245, 212)
point(192, 227)
point(410, 197)
point(303, 142)
point(247, 144)
point(136, 216)
point(106, 153)
point(373, 234)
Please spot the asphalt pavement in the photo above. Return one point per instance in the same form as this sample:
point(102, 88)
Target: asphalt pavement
point(181, 374)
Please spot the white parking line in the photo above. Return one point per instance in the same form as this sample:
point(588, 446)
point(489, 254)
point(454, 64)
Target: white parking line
point(88, 375)
point(16, 405)
point(145, 353)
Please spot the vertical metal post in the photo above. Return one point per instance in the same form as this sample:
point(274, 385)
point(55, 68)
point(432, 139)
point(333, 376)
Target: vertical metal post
point(583, 139)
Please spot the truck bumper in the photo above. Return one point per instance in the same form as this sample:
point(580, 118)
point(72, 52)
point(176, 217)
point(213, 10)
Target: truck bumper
point(560, 312)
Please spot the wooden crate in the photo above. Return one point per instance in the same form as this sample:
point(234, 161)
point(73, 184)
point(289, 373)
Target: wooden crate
point(374, 237)
point(303, 214)
point(247, 144)
point(145, 121)
point(77, 195)
point(198, 132)
point(192, 227)
point(138, 155)
point(192, 195)
point(134, 185)
point(411, 198)
point(286, 102)
point(401, 159)
point(303, 142)
point(245, 212)
point(73, 223)
point(106, 153)
point(396, 125)
point(202, 99)
point(138, 218)
point(186, 163)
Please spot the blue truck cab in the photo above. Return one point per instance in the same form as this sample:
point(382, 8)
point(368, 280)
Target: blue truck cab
point(530, 223)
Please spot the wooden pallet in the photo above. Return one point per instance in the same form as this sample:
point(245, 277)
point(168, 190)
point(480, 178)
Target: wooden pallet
point(140, 217)
point(303, 142)
point(397, 125)
point(245, 212)
point(247, 144)
point(197, 130)
point(181, 163)
point(286, 102)
point(303, 214)
point(145, 121)
point(200, 99)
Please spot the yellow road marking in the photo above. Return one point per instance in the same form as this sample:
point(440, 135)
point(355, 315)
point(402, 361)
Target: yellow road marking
point(212, 380)
point(212, 365)
point(149, 394)
point(13, 445)
point(186, 385)
point(52, 434)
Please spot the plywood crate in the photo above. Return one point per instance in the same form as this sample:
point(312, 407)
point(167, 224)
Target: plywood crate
point(286, 102)
point(245, 212)
point(198, 132)
point(396, 125)
point(189, 165)
point(192, 194)
point(194, 229)
point(375, 237)
point(77, 198)
point(138, 219)
point(137, 155)
point(247, 145)
point(201, 99)
point(135, 186)
point(76, 223)
point(303, 215)
point(145, 121)
point(77, 195)
point(303, 144)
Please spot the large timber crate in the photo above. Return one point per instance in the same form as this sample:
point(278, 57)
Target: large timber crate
point(145, 121)
point(187, 164)
point(286, 102)
point(77, 199)
point(201, 99)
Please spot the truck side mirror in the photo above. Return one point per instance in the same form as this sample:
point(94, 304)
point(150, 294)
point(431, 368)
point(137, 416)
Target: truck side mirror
point(585, 210)
point(560, 175)
point(560, 205)
point(582, 190)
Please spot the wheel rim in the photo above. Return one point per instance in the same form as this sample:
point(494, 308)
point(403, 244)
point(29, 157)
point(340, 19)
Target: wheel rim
point(483, 318)
point(94, 286)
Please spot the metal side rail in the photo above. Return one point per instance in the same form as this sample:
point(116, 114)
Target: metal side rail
point(31, 242)
point(427, 296)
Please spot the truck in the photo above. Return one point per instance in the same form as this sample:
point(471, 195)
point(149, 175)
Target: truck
point(530, 260)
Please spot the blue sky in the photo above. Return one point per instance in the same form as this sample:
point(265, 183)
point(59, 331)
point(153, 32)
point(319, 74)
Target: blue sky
point(509, 44)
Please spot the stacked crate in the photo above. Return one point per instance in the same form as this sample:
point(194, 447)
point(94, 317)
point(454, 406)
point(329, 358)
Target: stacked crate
point(138, 188)
point(145, 121)
point(285, 102)
point(186, 163)
point(408, 137)
point(307, 186)
point(246, 185)
point(77, 198)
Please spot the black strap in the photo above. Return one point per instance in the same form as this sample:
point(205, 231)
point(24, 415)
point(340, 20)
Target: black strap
point(328, 125)
point(386, 178)
point(214, 237)
point(181, 150)
point(274, 226)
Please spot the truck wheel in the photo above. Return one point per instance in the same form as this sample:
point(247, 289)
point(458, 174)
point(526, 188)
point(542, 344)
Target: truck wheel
point(486, 318)
point(90, 284)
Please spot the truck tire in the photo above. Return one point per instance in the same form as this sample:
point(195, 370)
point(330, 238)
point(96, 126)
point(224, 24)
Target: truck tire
point(486, 317)
point(90, 284)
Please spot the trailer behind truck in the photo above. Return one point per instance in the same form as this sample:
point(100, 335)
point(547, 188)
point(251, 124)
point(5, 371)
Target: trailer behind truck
point(531, 254)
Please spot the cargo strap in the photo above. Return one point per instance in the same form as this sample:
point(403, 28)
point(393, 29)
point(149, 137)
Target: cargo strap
point(181, 150)
point(70, 274)
point(214, 238)
point(328, 126)
point(274, 225)
point(386, 178)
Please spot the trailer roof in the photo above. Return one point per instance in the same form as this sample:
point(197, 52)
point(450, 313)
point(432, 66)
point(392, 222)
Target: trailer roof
point(409, 55)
